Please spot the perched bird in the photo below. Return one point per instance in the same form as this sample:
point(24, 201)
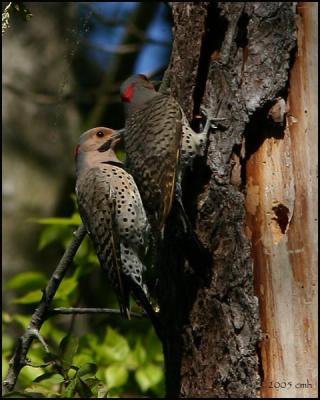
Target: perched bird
point(159, 145)
point(112, 212)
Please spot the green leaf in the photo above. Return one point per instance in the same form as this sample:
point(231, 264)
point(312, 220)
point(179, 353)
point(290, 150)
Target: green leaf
point(84, 357)
point(116, 375)
point(68, 348)
point(60, 233)
point(67, 287)
point(37, 353)
point(6, 317)
point(29, 374)
point(91, 382)
point(17, 395)
point(115, 347)
point(5, 366)
point(90, 341)
point(102, 391)
point(23, 320)
point(37, 390)
point(139, 353)
point(74, 220)
point(27, 281)
point(84, 268)
point(113, 393)
point(50, 378)
point(153, 347)
point(87, 369)
point(74, 200)
point(93, 259)
point(53, 233)
point(98, 388)
point(83, 250)
point(148, 376)
point(29, 298)
point(83, 389)
point(49, 357)
point(121, 155)
point(71, 388)
point(7, 343)
point(50, 330)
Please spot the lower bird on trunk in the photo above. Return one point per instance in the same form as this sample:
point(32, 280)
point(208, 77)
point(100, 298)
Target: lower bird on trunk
point(113, 214)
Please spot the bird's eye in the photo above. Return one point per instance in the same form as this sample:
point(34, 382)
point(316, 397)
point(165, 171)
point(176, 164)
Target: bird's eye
point(99, 134)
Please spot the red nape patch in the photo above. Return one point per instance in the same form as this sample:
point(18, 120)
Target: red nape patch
point(76, 151)
point(128, 93)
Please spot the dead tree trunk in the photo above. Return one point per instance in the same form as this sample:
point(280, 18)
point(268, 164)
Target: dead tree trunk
point(233, 58)
point(282, 221)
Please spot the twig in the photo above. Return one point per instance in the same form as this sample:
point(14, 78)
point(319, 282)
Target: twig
point(76, 310)
point(30, 364)
point(119, 49)
point(18, 361)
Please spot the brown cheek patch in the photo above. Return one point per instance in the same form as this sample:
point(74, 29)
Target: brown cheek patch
point(106, 146)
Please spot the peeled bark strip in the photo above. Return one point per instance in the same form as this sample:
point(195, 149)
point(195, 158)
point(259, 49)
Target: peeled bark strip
point(282, 224)
point(232, 57)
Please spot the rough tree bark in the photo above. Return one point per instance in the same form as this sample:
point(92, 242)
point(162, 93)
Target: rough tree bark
point(234, 59)
point(282, 221)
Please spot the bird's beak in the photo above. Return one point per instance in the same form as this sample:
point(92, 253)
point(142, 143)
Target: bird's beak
point(118, 134)
point(117, 137)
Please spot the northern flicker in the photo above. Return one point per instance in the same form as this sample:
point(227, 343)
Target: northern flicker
point(159, 144)
point(112, 212)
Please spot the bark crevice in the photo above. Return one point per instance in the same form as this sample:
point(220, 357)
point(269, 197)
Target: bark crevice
point(213, 37)
point(237, 69)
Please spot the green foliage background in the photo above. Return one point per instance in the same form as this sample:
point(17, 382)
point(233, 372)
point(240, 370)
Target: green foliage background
point(96, 355)
point(105, 362)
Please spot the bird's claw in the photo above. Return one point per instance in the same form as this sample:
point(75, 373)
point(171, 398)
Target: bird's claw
point(210, 120)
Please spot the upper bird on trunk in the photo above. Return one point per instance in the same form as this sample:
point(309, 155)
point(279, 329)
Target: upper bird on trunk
point(159, 145)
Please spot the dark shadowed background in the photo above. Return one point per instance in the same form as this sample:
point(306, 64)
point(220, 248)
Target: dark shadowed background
point(61, 75)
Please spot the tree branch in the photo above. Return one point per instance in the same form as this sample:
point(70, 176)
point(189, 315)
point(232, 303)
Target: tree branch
point(18, 361)
point(76, 310)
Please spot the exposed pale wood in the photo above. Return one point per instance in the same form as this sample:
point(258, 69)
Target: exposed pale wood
point(241, 69)
point(283, 171)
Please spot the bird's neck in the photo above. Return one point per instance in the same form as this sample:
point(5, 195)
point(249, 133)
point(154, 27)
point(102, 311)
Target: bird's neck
point(93, 159)
point(142, 96)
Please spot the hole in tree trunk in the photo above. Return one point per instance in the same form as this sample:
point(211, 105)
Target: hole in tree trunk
point(281, 213)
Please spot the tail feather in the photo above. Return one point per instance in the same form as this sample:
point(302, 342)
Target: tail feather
point(143, 301)
point(124, 308)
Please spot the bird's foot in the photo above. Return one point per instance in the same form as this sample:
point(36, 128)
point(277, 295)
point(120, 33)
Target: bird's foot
point(211, 122)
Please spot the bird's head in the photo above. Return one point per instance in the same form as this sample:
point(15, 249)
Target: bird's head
point(95, 146)
point(136, 90)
